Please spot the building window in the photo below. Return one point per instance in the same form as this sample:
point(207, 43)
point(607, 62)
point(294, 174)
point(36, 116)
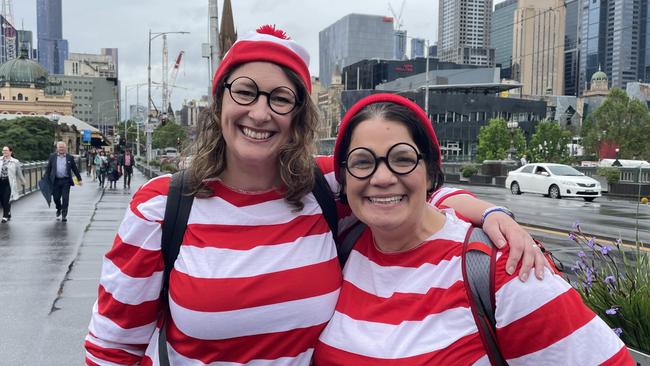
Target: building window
point(20, 96)
point(26, 99)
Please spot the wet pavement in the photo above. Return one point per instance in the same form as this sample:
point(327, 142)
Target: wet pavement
point(49, 272)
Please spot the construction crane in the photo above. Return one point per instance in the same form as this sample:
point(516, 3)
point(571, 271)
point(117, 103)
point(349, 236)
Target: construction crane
point(172, 83)
point(397, 16)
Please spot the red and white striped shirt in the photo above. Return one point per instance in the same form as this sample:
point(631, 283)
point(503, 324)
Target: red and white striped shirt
point(254, 282)
point(411, 308)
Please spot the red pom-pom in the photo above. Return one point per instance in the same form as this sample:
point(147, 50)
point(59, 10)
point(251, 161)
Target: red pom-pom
point(271, 30)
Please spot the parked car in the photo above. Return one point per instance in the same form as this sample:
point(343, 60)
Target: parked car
point(553, 180)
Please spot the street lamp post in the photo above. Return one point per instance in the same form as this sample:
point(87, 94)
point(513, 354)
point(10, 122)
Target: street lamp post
point(152, 36)
point(512, 125)
point(426, 81)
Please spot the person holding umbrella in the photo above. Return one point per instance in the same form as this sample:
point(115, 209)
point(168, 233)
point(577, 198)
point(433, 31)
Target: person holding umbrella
point(10, 174)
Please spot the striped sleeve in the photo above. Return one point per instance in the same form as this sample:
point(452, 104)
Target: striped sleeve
point(125, 313)
point(546, 323)
point(438, 198)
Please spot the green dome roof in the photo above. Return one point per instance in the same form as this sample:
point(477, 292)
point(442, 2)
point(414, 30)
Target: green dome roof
point(22, 72)
point(599, 75)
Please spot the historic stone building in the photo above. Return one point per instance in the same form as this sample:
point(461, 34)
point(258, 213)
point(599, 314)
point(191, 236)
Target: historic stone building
point(26, 90)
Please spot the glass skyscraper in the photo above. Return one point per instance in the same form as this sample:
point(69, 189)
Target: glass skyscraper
point(52, 48)
point(353, 38)
point(571, 47)
point(501, 39)
point(611, 36)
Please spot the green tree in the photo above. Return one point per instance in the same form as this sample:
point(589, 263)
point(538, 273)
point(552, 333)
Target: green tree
point(31, 138)
point(494, 140)
point(549, 143)
point(132, 130)
point(619, 120)
point(166, 135)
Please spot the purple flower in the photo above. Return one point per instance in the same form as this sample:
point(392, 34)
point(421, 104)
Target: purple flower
point(618, 331)
point(610, 280)
point(591, 242)
point(581, 254)
point(619, 242)
point(571, 236)
point(612, 311)
point(605, 250)
point(576, 225)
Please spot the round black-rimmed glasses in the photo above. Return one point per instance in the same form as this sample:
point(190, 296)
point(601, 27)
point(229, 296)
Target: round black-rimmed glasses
point(244, 91)
point(402, 158)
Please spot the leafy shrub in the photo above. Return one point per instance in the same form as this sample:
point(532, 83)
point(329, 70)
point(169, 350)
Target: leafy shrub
point(612, 175)
point(169, 167)
point(469, 170)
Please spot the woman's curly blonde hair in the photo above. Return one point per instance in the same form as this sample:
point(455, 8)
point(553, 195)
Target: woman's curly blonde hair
point(296, 160)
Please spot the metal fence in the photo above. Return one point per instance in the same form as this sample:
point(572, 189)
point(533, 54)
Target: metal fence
point(34, 171)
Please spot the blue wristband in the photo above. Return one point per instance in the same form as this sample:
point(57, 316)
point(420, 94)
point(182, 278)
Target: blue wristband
point(495, 209)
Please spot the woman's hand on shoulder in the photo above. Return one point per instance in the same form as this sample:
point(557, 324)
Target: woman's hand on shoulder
point(502, 229)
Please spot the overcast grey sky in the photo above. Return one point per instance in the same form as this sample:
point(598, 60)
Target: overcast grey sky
point(90, 25)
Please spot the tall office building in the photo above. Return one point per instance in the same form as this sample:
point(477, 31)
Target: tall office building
point(8, 41)
point(571, 47)
point(538, 46)
point(501, 35)
point(52, 48)
point(353, 38)
point(611, 35)
point(400, 44)
point(87, 64)
point(464, 32)
point(26, 44)
point(417, 47)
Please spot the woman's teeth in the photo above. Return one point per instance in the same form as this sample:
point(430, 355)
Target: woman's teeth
point(256, 134)
point(385, 200)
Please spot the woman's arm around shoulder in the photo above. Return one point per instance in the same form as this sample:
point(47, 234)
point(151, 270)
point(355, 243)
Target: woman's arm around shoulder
point(125, 314)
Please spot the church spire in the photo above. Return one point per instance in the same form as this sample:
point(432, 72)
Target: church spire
point(227, 33)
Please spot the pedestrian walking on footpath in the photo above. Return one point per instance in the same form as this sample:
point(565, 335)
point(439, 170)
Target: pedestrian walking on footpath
point(257, 275)
point(11, 174)
point(91, 164)
point(127, 161)
point(101, 167)
point(113, 171)
point(60, 170)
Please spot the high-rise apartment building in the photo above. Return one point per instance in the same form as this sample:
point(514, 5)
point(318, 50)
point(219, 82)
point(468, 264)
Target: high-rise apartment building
point(613, 38)
point(571, 47)
point(538, 46)
point(464, 32)
point(501, 35)
point(353, 38)
point(52, 48)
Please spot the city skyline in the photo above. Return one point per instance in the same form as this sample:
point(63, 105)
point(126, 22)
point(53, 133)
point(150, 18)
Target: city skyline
point(89, 26)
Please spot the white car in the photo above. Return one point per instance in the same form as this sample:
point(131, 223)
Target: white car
point(553, 180)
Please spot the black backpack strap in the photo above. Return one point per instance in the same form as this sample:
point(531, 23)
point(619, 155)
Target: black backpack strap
point(344, 248)
point(177, 212)
point(326, 201)
point(478, 275)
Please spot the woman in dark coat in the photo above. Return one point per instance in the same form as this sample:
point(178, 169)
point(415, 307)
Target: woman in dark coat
point(113, 171)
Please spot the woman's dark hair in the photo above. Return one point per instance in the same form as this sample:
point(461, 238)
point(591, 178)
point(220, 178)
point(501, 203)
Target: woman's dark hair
point(401, 114)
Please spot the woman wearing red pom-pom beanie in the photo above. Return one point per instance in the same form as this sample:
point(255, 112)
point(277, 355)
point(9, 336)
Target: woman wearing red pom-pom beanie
point(257, 276)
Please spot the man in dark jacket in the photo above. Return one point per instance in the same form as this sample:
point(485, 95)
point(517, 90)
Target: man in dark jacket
point(127, 162)
point(60, 167)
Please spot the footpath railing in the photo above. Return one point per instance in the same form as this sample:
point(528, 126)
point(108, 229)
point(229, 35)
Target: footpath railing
point(34, 171)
